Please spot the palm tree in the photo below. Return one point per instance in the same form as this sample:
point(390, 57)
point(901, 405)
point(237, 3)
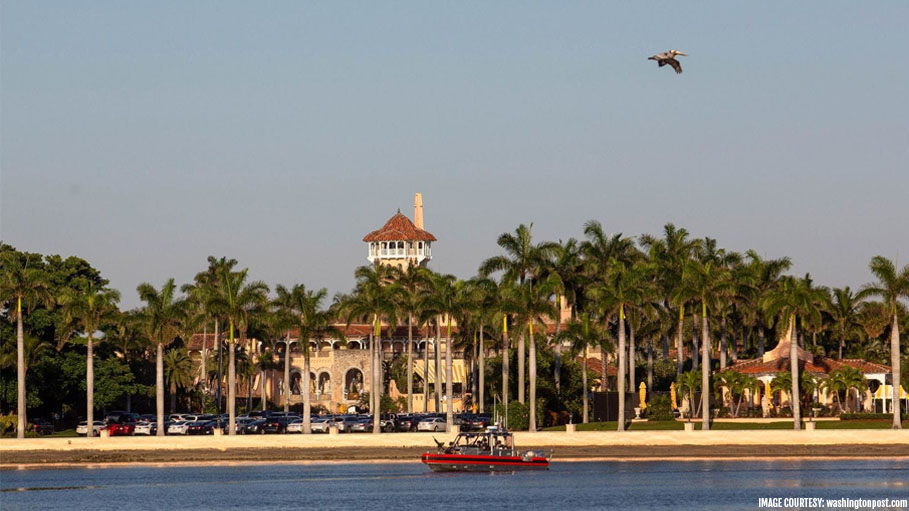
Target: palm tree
point(843, 380)
point(708, 283)
point(765, 279)
point(410, 287)
point(87, 310)
point(373, 298)
point(792, 300)
point(890, 286)
point(178, 372)
point(238, 300)
point(567, 267)
point(283, 318)
point(583, 332)
point(164, 316)
point(18, 284)
point(312, 323)
point(845, 315)
point(445, 299)
point(688, 383)
point(671, 255)
point(535, 309)
point(523, 260)
point(621, 288)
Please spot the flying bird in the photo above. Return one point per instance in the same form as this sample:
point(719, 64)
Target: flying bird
point(669, 58)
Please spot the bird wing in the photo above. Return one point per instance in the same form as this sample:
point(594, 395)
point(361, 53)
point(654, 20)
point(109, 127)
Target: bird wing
point(661, 62)
point(675, 65)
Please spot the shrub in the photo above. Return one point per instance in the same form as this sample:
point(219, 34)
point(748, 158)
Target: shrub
point(660, 409)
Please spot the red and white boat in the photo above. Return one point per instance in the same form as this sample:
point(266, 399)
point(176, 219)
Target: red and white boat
point(485, 451)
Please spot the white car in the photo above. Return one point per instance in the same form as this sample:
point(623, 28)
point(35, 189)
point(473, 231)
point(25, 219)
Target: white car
point(178, 428)
point(82, 428)
point(143, 428)
point(296, 426)
point(432, 424)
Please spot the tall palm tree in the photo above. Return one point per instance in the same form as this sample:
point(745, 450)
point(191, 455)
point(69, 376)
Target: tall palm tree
point(584, 332)
point(163, 316)
point(522, 261)
point(567, 267)
point(790, 301)
point(86, 310)
point(671, 254)
point(178, 372)
point(373, 298)
point(283, 304)
point(238, 300)
point(891, 285)
point(445, 300)
point(709, 283)
point(845, 315)
point(765, 279)
point(619, 290)
point(312, 322)
point(19, 283)
point(410, 287)
point(536, 308)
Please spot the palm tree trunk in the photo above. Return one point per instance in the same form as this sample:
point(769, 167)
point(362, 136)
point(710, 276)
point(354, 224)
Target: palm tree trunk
point(631, 353)
point(425, 375)
point(650, 364)
point(20, 374)
point(173, 396)
point(286, 383)
point(203, 377)
point(694, 342)
point(231, 384)
point(372, 367)
point(895, 364)
point(794, 368)
point(521, 363)
point(481, 356)
point(620, 380)
point(409, 363)
point(505, 361)
point(220, 366)
point(262, 396)
point(377, 385)
point(584, 403)
point(761, 341)
point(437, 358)
point(664, 341)
point(449, 384)
point(705, 374)
point(723, 346)
point(90, 386)
point(840, 354)
point(307, 387)
point(678, 341)
point(533, 382)
point(159, 387)
point(557, 350)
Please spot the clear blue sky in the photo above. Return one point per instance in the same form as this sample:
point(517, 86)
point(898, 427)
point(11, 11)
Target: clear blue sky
point(145, 136)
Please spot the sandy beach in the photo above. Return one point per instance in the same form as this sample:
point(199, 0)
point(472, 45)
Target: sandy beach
point(47, 452)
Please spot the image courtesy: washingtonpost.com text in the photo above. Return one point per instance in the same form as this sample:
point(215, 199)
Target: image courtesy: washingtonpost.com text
point(828, 503)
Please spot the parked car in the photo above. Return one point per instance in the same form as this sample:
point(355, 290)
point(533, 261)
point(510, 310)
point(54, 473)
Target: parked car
point(239, 425)
point(296, 426)
point(146, 428)
point(121, 429)
point(121, 417)
point(475, 422)
point(178, 428)
point(202, 427)
point(406, 422)
point(432, 424)
point(251, 427)
point(321, 425)
point(41, 426)
point(361, 425)
point(82, 428)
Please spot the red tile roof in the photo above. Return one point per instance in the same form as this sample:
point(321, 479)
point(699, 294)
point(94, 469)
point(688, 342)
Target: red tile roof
point(820, 365)
point(596, 365)
point(399, 227)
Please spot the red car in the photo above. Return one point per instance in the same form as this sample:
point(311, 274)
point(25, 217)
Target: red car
point(121, 429)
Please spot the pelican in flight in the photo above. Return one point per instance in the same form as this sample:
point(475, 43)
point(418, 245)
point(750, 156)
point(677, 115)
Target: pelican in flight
point(669, 58)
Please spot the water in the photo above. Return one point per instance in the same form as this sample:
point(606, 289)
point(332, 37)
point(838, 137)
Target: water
point(410, 486)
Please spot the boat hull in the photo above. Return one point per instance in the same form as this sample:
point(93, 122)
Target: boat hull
point(479, 463)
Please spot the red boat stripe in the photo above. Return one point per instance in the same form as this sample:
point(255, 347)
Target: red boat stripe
point(465, 462)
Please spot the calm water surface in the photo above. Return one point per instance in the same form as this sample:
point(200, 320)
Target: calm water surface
point(405, 487)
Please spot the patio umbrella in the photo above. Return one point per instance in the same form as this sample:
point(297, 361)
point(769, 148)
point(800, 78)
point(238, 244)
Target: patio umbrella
point(672, 396)
point(643, 392)
point(767, 393)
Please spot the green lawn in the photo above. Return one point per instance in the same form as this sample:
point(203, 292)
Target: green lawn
point(728, 426)
point(64, 433)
